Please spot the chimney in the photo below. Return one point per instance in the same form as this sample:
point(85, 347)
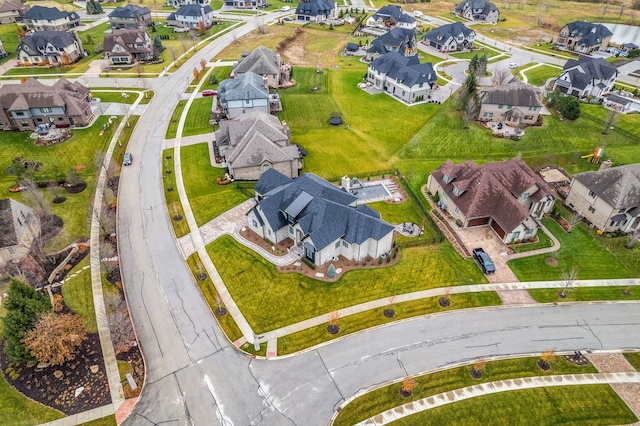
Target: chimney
point(286, 129)
point(607, 164)
point(346, 183)
point(265, 82)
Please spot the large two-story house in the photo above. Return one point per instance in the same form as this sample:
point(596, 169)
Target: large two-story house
point(402, 76)
point(398, 39)
point(244, 94)
point(514, 103)
point(246, 4)
point(191, 16)
point(18, 228)
point(130, 17)
point(26, 106)
point(255, 143)
point(49, 48)
point(584, 37)
point(41, 18)
point(264, 62)
point(608, 198)
point(586, 77)
point(450, 37)
point(391, 16)
point(12, 10)
point(323, 220)
point(178, 3)
point(316, 10)
point(506, 196)
point(128, 46)
point(480, 10)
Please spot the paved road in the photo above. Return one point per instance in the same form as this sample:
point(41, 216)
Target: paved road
point(196, 377)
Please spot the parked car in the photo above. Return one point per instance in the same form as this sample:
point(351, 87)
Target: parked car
point(513, 65)
point(209, 93)
point(484, 261)
point(128, 158)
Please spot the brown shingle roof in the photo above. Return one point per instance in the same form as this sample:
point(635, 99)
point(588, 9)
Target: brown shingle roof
point(517, 94)
point(33, 94)
point(491, 189)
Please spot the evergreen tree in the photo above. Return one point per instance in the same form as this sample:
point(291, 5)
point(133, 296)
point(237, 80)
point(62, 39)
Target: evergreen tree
point(98, 6)
point(24, 305)
point(157, 44)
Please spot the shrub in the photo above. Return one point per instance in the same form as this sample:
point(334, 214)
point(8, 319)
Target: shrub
point(380, 261)
point(309, 264)
point(331, 271)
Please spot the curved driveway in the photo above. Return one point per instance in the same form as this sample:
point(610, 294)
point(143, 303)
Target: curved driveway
point(196, 377)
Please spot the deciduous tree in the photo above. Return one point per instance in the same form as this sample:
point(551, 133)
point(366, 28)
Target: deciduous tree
point(56, 338)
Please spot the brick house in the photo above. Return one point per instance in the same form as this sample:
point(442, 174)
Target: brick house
point(514, 103)
point(584, 37)
point(506, 196)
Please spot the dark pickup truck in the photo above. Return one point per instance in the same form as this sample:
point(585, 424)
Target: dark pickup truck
point(484, 261)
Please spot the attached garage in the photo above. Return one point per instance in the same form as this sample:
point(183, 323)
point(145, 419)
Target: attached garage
point(479, 221)
point(498, 229)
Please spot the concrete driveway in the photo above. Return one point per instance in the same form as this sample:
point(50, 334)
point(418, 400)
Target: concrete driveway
point(486, 238)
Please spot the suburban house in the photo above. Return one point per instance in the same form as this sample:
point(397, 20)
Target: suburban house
point(584, 37)
point(12, 10)
point(190, 16)
point(316, 10)
point(130, 17)
point(402, 76)
point(255, 143)
point(128, 46)
point(514, 103)
point(246, 4)
point(244, 94)
point(481, 10)
point(586, 77)
point(321, 219)
point(608, 198)
point(49, 48)
point(399, 40)
point(26, 106)
point(450, 37)
point(628, 47)
point(178, 3)
point(507, 196)
point(391, 16)
point(264, 62)
point(40, 18)
point(18, 228)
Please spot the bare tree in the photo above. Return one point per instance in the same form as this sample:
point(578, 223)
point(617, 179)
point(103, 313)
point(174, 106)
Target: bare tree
point(122, 335)
point(470, 112)
point(501, 76)
point(174, 53)
point(138, 68)
point(107, 254)
point(193, 36)
point(100, 162)
point(185, 44)
point(105, 68)
point(611, 118)
point(568, 278)
point(574, 219)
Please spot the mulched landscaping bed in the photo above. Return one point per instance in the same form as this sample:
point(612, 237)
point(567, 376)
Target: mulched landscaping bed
point(43, 386)
point(134, 358)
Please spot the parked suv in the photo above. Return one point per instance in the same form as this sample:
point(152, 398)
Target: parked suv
point(128, 158)
point(484, 261)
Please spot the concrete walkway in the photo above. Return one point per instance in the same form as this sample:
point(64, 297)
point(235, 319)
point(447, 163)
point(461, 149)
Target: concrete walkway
point(84, 417)
point(496, 387)
point(188, 140)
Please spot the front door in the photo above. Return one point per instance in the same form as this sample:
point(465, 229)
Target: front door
point(310, 253)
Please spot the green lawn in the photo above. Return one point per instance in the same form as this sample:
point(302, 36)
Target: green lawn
point(584, 294)
point(584, 405)
point(634, 359)
point(538, 76)
point(292, 297)
point(197, 121)
point(543, 242)
point(16, 409)
point(172, 129)
point(180, 227)
point(115, 97)
point(303, 339)
point(548, 49)
point(208, 199)
point(387, 397)
point(78, 295)
point(582, 249)
point(398, 213)
point(10, 40)
point(105, 421)
point(221, 73)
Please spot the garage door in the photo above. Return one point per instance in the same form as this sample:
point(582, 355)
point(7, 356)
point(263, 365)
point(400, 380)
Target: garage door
point(497, 228)
point(433, 44)
point(479, 221)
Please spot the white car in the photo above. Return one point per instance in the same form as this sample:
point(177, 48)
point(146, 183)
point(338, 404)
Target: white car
point(513, 65)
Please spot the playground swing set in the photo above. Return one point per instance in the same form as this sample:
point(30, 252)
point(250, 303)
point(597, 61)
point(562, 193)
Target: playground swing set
point(595, 156)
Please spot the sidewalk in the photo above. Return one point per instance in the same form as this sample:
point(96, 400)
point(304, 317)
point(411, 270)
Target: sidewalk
point(445, 398)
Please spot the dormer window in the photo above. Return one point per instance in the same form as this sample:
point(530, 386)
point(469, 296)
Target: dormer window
point(525, 196)
point(445, 178)
point(457, 191)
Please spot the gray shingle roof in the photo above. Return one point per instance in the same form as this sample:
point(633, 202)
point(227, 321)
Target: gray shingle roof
point(315, 7)
point(393, 12)
point(491, 189)
point(585, 69)
point(516, 94)
point(591, 34)
point(193, 10)
point(324, 211)
point(270, 180)
point(247, 86)
point(399, 38)
point(485, 5)
point(46, 13)
point(129, 11)
point(38, 41)
point(441, 34)
point(618, 186)
point(407, 70)
point(261, 61)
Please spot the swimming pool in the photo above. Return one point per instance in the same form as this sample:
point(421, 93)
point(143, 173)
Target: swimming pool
point(371, 192)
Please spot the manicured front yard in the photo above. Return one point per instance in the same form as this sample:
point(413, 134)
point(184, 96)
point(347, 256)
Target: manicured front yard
point(582, 249)
point(585, 405)
point(208, 199)
point(293, 297)
point(538, 76)
point(585, 294)
point(303, 339)
point(387, 397)
point(197, 120)
point(78, 295)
